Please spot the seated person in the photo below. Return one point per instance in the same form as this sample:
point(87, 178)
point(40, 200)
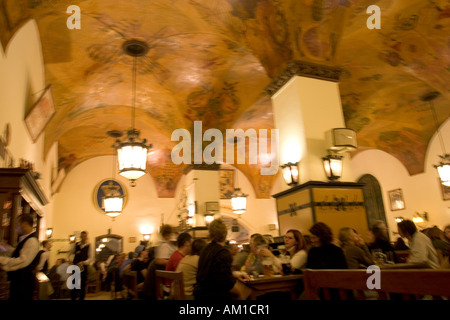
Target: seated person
point(420, 246)
point(296, 249)
point(259, 254)
point(140, 265)
point(380, 239)
point(356, 252)
point(62, 270)
point(215, 279)
point(437, 235)
point(189, 265)
point(240, 258)
point(324, 254)
point(184, 247)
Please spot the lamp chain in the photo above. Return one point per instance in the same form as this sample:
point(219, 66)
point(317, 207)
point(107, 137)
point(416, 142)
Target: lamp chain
point(114, 165)
point(437, 127)
point(133, 104)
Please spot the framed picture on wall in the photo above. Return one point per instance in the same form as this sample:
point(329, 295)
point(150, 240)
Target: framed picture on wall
point(40, 114)
point(445, 191)
point(226, 183)
point(396, 199)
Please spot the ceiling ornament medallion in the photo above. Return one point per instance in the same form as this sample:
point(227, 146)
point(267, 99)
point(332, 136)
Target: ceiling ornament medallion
point(304, 69)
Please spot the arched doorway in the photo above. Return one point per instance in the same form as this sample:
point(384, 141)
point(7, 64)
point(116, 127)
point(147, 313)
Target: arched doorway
point(237, 231)
point(107, 245)
point(373, 199)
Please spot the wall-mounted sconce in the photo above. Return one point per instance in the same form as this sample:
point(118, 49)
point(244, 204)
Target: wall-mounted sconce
point(333, 166)
point(399, 219)
point(420, 217)
point(290, 173)
point(146, 237)
point(49, 233)
point(72, 238)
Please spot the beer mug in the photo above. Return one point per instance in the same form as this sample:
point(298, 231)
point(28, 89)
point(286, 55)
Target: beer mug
point(268, 267)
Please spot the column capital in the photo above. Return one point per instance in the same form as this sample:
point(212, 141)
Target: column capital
point(304, 69)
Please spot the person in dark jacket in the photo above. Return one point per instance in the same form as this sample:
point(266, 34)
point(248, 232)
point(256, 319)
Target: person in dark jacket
point(381, 240)
point(215, 279)
point(21, 266)
point(324, 254)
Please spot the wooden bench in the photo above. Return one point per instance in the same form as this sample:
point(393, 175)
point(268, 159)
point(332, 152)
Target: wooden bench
point(94, 285)
point(129, 281)
point(399, 284)
point(176, 287)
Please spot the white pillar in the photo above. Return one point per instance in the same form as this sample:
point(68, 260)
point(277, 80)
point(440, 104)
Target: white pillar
point(203, 186)
point(305, 107)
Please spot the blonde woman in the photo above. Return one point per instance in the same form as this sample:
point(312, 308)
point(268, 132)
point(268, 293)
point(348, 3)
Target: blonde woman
point(260, 252)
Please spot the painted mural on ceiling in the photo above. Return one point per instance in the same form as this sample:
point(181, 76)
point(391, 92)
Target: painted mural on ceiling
point(211, 60)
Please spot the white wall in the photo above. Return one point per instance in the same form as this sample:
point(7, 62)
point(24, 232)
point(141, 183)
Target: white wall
point(421, 191)
point(22, 76)
point(75, 210)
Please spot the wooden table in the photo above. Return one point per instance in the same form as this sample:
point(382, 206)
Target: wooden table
point(262, 286)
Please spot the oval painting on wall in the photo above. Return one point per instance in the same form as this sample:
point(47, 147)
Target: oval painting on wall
point(101, 189)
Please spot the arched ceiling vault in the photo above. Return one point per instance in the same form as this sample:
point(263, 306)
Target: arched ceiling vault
point(212, 60)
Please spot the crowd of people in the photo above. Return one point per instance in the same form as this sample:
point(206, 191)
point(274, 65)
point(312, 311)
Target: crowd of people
point(211, 267)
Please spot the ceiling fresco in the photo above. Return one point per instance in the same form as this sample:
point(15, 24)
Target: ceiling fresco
point(212, 60)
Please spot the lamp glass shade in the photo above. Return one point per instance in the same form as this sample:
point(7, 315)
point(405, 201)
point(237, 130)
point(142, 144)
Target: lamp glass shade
point(290, 173)
point(113, 205)
point(238, 201)
point(444, 173)
point(333, 166)
point(132, 160)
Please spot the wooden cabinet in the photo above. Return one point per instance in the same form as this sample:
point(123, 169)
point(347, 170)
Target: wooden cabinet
point(337, 204)
point(19, 193)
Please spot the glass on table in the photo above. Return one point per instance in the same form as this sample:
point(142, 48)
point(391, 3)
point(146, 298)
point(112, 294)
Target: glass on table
point(379, 257)
point(390, 257)
point(268, 267)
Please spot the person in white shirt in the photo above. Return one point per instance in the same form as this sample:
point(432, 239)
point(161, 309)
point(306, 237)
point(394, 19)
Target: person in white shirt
point(421, 250)
point(165, 248)
point(62, 270)
point(296, 247)
point(22, 263)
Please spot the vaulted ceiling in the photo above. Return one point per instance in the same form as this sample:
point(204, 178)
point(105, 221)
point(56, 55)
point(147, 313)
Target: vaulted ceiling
point(212, 60)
